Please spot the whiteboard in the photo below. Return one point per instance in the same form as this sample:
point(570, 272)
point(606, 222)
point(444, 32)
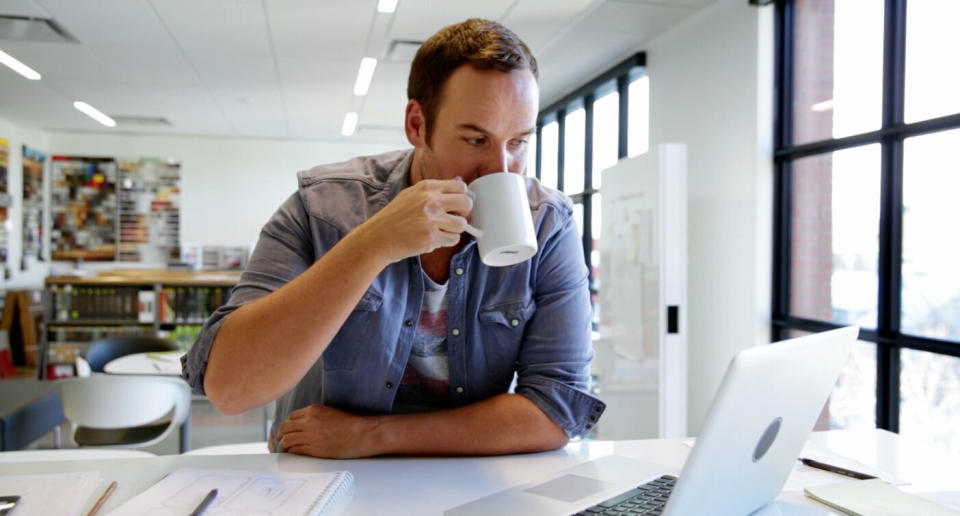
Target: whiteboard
point(641, 351)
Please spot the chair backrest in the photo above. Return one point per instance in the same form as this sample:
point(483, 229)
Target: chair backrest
point(115, 401)
point(103, 351)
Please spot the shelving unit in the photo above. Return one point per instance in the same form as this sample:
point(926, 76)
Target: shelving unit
point(168, 304)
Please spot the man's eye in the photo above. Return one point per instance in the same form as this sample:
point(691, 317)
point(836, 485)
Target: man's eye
point(517, 144)
point(476, 141)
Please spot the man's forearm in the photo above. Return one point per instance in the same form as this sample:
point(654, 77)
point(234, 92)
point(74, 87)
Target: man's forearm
point(265, 347)
point(507, 423)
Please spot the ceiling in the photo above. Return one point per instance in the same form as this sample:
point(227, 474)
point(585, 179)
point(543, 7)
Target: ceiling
point(285, 69)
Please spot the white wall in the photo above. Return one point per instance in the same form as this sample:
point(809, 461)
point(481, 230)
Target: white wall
point(229, 187)
point(711, 87)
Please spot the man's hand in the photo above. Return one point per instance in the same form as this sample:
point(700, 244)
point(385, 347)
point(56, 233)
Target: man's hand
point(423, 217)
point(329, 433)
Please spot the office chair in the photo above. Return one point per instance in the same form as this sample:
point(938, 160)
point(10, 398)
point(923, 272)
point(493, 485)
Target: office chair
point(124, 411)
point(103, 351)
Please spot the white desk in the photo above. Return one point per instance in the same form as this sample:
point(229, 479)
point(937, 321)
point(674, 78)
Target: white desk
point(161, 363)
point(433, 485)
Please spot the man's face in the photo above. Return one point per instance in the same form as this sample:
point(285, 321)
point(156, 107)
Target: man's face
point(483, 123)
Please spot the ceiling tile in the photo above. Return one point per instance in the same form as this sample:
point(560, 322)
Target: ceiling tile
point(132, 65)
point(538, 22)
point(232, 70)
point(228, 26)
point(121, 23)
point(21, 8)
point(419, 19)
point(58, 60)
point(327, 75)
point(317, 29)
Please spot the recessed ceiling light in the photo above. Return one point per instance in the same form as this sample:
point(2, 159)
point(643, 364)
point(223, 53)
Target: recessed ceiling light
point(94, 113)
point(367, 65)
point(349, 124)
point(19, 67)
point(386, 6)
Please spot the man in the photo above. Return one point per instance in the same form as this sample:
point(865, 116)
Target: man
point(365, 310)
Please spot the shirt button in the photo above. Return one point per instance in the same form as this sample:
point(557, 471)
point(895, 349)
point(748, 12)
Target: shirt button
point(455, 332)
point(598, 408)
point(589, 426)
point(458, 271)
point(514, 322)
point(459, 390)
point(408, 323)
point(389, 385)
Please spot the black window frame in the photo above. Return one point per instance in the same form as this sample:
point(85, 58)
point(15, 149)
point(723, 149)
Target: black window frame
point(618, 77)
point(890, 136)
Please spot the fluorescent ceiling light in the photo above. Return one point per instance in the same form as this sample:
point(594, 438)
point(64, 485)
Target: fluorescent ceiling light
point(826, 105)
point(367, 65)
point(19, 67)
point(349, 124)
point(386, 6)
point(93, 113)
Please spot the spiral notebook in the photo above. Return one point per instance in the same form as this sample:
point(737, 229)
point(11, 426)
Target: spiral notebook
point(244, 492)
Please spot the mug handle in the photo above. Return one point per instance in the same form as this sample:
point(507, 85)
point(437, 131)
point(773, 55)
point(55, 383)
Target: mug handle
point(476, 232)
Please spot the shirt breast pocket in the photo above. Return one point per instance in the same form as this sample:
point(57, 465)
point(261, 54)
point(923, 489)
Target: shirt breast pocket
point(355, 334)
point(503, 325)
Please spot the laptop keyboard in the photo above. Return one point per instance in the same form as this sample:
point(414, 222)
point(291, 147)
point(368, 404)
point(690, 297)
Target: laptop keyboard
point(648, 498)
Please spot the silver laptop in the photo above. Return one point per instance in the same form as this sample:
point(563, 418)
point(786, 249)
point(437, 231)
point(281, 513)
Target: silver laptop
point(767, 405)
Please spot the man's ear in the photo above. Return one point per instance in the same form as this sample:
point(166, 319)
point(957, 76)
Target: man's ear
point(415, 124)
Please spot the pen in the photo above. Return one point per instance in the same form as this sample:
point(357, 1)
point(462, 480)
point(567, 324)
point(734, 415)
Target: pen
point(207, 500)
point(102, 499)
point(836, 469)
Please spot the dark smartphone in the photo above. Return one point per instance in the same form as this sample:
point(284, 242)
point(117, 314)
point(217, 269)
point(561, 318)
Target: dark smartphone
point(7, 503)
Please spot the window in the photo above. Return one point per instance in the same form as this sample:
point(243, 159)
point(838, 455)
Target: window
point(587, 132)
point(866, 217)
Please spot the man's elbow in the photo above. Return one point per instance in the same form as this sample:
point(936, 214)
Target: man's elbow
point(224, 396)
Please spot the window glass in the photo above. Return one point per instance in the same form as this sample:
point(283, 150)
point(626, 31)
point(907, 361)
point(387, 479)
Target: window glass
point(549, 149)
point(931, 79)
point(638, 116)
point(853, 401)
point(836, 216)
point(578, 216)
point(930, 271)
point(838, 69)
point(606, 127)
point(930, 397)
point(531, 166)
point(574, 129)
point(596, 226)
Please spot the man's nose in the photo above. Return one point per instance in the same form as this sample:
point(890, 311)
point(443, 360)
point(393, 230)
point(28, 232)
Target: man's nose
point(500, 160)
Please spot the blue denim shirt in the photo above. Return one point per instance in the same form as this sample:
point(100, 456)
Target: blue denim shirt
point(532, 319)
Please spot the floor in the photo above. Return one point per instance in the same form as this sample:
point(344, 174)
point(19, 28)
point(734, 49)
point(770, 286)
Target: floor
point(208, 427)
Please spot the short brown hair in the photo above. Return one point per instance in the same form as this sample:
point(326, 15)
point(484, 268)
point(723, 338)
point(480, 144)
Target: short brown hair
point(484, 44)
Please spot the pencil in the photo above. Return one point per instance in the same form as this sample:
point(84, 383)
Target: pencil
point(102, 499)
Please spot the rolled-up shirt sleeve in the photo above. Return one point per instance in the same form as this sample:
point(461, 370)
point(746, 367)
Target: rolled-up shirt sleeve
point(284, 250)
point(553, 367)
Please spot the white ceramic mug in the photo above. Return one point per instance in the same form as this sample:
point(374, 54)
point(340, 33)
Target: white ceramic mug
point(501, 219)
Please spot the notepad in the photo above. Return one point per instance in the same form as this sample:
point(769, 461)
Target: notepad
point(874, 497)
point(58, 493)
point(244, 492)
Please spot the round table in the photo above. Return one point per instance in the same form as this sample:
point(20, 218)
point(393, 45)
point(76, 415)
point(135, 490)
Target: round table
point(154, 362)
